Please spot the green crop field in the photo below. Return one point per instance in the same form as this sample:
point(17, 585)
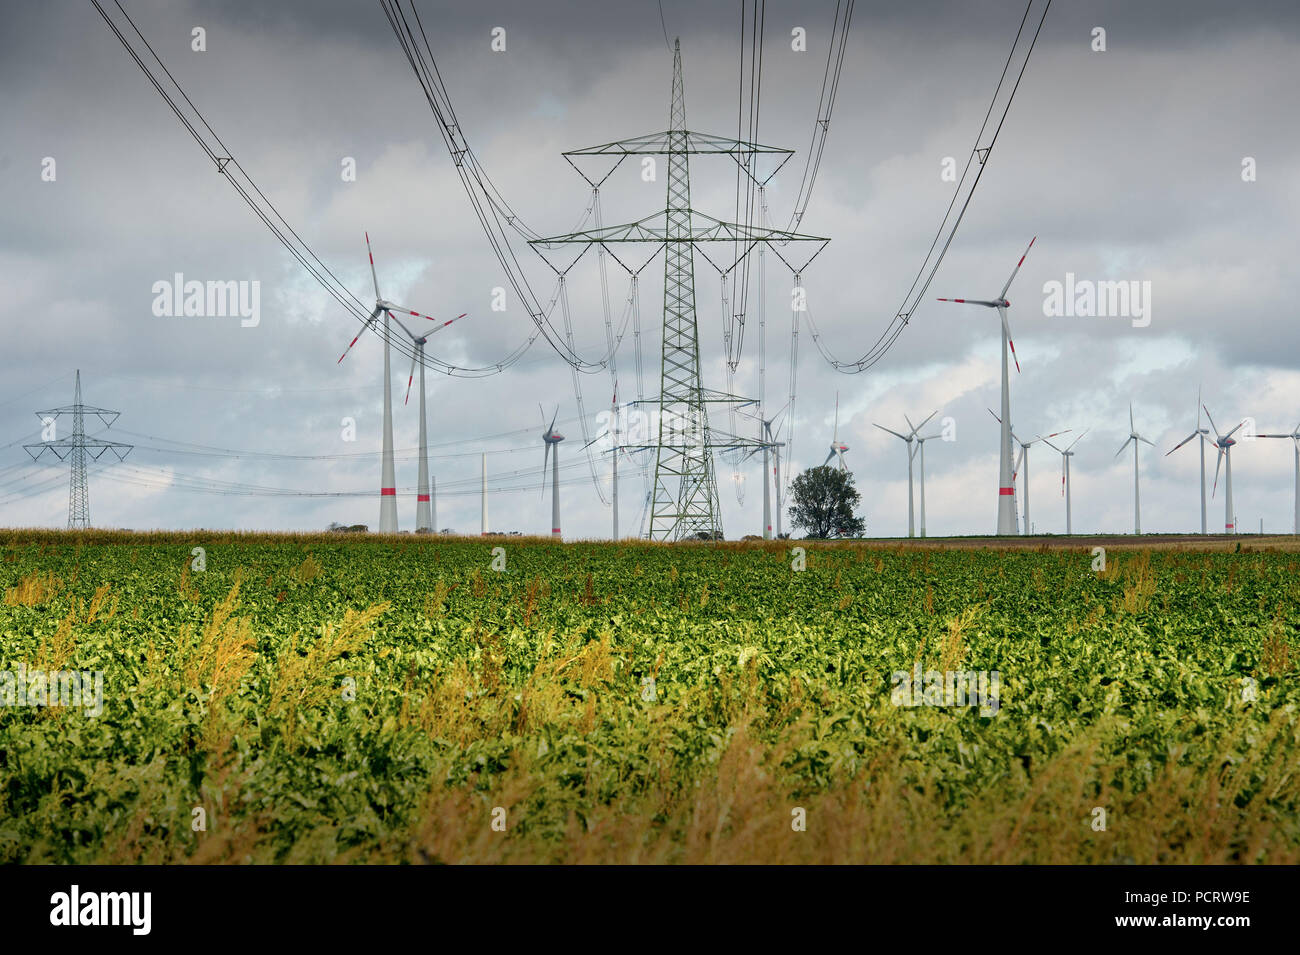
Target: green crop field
point(364, 699)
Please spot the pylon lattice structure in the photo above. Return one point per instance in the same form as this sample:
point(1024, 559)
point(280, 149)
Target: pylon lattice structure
point(685, 490)
point(75, 449)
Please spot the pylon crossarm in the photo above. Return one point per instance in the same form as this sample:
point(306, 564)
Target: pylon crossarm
point(651, 229)
point(103, 414)
point(685, 141)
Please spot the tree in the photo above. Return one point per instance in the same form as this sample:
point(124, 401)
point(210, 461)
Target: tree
point(824, 499)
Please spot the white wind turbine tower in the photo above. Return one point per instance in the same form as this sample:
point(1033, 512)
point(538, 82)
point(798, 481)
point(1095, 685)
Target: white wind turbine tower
point(1201, 433)
point(1066, 453)
point(425, 516)
point(772, 478)
point(1295, 440)
point(1224, 443)
point(388, 483)
point(1135, 438)
point(837, 449)
point(1023, 459)
point(909, 438)
point(551, 437)
point(1006, 484)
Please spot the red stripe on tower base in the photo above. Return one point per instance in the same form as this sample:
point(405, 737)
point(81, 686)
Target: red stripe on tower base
point(421, 498)
point(1006, 490)
point(388, 490)
point(555, 530)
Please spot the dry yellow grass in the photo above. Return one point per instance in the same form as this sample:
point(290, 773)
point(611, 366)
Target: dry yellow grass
point(34, 589)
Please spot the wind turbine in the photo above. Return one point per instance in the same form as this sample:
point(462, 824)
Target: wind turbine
point(424, 515)
point(552, 438)
point(1224, 443)
point(1295, 439)
point(1006, 483)
point(1201, 432)
point(388, 482)
point(909, 438)
point(1066, 453)
point(1135, 438)
point(920, 446)
point(1024, 459)
point(837, 449)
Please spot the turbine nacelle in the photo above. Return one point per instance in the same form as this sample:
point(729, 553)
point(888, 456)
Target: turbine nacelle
point(836, 449)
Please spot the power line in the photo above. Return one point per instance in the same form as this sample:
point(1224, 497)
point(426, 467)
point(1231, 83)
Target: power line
point(663, 26)
point(264, 209)
point(915, 294)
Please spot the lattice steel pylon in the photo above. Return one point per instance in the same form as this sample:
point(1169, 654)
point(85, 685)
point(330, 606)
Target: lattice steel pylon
point(685, 492)
point(75, 449)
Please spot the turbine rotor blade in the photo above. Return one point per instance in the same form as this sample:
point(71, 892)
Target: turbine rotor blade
point(410, 378)
point(373, 276)
point(1194, 434)
point(891, 431)
point(923, 423)
point(546, 459)
point(1217, 465)
point(1003, 293)
point(1211, 420)
point(1002, 313)
point(1233, 431)
point(348, 349)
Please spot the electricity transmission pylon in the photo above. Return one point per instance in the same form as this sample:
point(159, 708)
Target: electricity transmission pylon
point(75, 449)
point(685, 490)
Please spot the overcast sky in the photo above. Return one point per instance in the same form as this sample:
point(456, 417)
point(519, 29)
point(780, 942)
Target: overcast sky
point(1126, 164)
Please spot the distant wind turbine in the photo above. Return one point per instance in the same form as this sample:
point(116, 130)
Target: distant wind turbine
point(552, 438)
point(1201, 433)
point(1134, 437)
point(1066, 453)
point(1224, 443)
point(909, 438)
point(920, 450)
